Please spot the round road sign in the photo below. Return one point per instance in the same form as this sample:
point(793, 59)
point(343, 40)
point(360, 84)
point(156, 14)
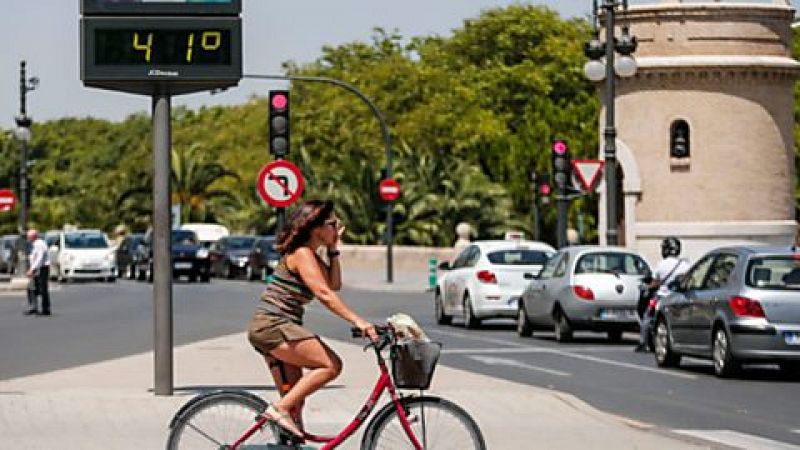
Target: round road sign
point(389, 189)
point(7, 200)
point(280, 183)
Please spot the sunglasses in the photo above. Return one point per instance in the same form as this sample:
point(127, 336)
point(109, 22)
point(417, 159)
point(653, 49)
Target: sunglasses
point(332, 222)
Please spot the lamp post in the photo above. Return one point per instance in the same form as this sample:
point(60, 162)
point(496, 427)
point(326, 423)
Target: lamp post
point(23, 134)
point(596, 70)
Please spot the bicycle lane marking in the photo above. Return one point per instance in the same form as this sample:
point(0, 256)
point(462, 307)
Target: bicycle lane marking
point(494, 361)
point(567, 354)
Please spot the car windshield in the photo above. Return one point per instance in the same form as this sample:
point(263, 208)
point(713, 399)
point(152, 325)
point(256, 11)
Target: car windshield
point(85, 240)
point(241, 243)
point(184, 237)
point(611, 262)
point(774, 272)
point(519, 257)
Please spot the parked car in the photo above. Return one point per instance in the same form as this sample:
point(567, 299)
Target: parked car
point(738, 304)
point(263, 258)
point(230, 256)
point(189, 257)
point(127, 252)
point(82, 254)
point(8, 253)
point(486, 280)
point(592, 288)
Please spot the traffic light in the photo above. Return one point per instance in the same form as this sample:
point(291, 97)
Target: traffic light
point(543, 188)
point(279, 123)
point(562, 168)
point(679, 140)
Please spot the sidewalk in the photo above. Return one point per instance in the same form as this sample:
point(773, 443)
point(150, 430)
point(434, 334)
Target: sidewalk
point(110, 405)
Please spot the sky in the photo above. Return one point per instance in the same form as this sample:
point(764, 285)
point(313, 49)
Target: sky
point(45, 33)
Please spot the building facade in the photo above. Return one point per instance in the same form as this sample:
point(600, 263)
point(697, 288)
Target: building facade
point(717, 78)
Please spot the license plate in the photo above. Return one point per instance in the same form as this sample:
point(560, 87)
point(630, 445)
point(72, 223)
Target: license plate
point(183, 265)
point(616, 313)
point(792, 338)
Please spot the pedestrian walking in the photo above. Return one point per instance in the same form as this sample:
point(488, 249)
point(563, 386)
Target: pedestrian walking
point(668, 270)
point(38, 275)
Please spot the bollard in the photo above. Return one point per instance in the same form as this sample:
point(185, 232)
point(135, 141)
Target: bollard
point(432, 273)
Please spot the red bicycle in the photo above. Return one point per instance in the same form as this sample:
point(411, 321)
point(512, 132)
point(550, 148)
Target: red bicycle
point(232, 420)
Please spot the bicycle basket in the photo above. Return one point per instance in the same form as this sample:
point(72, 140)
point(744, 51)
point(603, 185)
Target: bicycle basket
point(413, 363)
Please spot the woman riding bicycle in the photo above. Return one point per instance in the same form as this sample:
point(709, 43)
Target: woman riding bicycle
point(276, 329)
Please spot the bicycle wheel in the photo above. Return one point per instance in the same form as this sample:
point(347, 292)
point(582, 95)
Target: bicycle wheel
point(217, 420)
point(437, 423)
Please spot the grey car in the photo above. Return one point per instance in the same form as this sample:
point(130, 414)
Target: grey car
point(592, 288)
point(736, 305)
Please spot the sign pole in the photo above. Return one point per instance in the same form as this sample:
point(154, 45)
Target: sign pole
point(281, 211)
point(162, 265)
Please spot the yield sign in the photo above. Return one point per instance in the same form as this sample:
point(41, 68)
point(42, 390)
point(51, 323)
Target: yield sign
point(588, 171)
point(280, 183)
point(7, 200)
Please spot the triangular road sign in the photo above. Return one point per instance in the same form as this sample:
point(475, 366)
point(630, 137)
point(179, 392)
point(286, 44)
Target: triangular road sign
point(588, 171)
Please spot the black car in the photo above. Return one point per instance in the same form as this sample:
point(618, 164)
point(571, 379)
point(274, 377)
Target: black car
point(230, 256)
point(8, 253)
point(189, 257)
point(127, 253)
point(263, 258)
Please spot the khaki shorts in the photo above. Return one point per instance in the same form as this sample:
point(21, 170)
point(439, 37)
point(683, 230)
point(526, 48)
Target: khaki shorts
point(266, 332)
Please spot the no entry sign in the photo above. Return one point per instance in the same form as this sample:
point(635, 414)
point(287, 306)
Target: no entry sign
point(389, 189)
point(280, 183)
point(7, 200)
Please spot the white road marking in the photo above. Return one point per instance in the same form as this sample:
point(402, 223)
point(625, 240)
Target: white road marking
point(795, 431)
point(739, 440)
point(489, 360)
point(611, 362)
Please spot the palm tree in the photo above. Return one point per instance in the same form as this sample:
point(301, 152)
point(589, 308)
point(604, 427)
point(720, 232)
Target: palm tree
point(193, 185)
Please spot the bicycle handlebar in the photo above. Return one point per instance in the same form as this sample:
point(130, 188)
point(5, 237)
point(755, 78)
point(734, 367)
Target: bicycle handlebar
point(382, 330)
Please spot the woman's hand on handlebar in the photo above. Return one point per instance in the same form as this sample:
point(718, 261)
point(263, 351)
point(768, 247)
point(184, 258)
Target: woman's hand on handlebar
point(367, 329)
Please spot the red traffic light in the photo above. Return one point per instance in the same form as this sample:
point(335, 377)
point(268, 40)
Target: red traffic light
point(559, 147)
point(279, 101)
point(544, 189)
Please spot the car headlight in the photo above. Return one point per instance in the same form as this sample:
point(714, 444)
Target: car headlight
point(111, 258)
point(68, 258)
point(202, 253)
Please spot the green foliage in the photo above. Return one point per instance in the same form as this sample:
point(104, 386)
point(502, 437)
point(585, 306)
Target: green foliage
point(470, 116)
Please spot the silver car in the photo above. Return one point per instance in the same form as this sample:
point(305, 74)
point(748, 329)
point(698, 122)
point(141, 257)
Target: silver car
point(592, 288)
point(735, 305)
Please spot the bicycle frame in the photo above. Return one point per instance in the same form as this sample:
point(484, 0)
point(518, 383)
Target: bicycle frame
point(331, 442)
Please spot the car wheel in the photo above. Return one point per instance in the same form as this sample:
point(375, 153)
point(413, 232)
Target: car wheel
point(665, 356)
point(193, 278)
point(441, 317)
point(149, 274)
point(563, 329)
point(524, 326)
point(111, 279)
point(791, 368)
point(205, 278)
point(615, 335)
point(725, 365)
point(470, 321)
point(228, 271)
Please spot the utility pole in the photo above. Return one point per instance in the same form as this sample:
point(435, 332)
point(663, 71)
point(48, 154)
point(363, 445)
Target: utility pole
point(23, 134)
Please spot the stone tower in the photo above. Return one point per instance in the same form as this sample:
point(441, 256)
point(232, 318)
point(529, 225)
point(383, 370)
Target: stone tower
point(719, 76)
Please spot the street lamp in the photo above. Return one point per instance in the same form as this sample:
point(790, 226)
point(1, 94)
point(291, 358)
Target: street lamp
point(596, 70)
point(23, 134)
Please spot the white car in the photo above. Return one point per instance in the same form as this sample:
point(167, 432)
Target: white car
point(83, 254)
point(487, 279)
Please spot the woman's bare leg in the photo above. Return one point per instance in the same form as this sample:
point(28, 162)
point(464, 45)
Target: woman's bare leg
point(323, 364)
point(286, 376)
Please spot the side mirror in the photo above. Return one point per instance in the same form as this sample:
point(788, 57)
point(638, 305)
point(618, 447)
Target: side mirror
point(647, 279)
point(530, 276)
point(444, 265)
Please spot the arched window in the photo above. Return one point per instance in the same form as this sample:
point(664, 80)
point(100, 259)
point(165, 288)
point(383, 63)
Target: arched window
point(679, 144)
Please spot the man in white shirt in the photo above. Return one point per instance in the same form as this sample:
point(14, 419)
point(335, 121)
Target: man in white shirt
point(39, 274)
point(667, 271)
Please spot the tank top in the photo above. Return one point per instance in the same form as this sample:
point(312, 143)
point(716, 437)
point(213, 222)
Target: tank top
point(286, 294)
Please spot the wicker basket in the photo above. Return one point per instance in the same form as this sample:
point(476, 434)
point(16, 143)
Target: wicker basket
point(413, 363)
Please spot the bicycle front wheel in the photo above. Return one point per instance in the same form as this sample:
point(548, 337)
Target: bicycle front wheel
point(437, 423)
point(216, 421)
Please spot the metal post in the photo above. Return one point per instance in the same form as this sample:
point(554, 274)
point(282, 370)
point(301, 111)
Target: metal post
point(610, 133)
point(537, 226)
point(24, 122)
point(162, 265)
point(387, 140)
point(562, 209)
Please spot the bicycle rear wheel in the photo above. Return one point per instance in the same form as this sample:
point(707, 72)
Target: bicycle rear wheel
point(217, 420)
point(437, 423)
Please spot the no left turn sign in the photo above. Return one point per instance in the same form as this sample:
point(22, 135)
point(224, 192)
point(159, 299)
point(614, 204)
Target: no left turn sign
point(280, 183)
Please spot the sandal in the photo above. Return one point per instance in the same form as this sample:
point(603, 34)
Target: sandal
point(283, 420)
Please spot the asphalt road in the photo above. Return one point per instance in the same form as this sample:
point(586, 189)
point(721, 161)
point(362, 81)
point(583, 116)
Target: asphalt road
point(99, 321)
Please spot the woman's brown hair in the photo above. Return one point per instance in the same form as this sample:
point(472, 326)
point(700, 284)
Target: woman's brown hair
point(302, 221)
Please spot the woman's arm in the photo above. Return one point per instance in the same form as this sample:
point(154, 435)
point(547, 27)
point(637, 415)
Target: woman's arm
point(334, 271)
point(305, 263)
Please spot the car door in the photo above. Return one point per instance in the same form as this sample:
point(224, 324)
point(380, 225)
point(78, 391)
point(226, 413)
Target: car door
point(448, 283)
point(706, 300)
point(464, 275)
point(680, 305)
point(537, 303)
